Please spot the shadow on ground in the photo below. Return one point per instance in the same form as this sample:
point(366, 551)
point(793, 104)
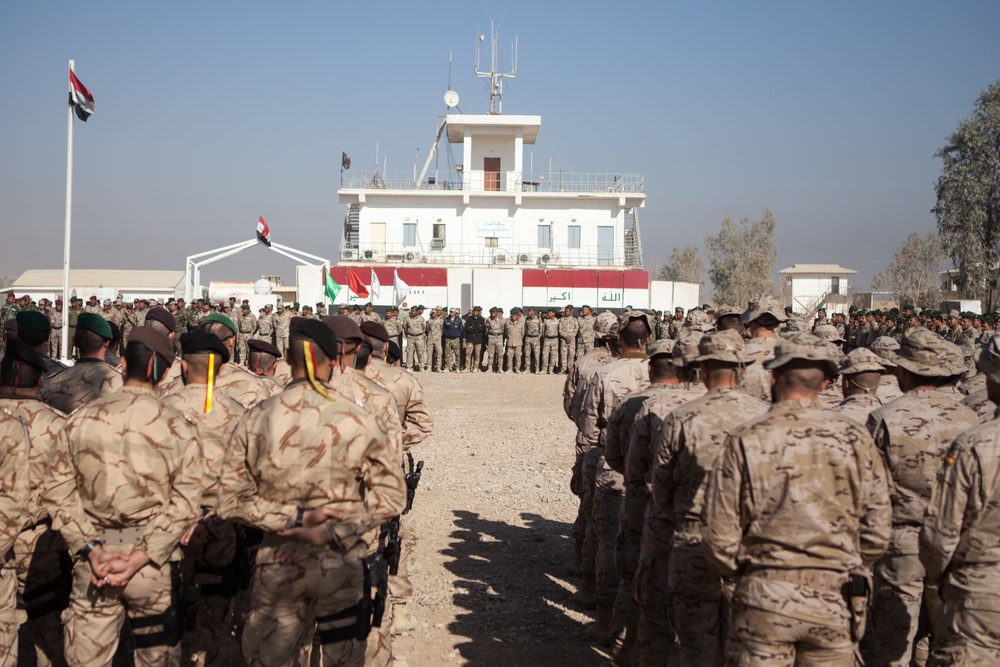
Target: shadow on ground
point(512, 584)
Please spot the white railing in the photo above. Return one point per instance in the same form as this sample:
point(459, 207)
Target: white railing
point(473, 180)
point(440, 252)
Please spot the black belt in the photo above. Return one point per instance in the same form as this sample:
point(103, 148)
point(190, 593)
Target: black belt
point(532, 336)
point(552, 337)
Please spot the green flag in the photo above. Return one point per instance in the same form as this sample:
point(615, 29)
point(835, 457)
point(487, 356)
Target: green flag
point(332, 288)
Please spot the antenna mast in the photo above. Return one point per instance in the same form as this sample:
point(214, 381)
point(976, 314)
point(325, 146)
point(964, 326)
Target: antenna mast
point(495, 77)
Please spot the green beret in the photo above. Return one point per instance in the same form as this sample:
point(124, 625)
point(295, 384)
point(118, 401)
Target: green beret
point(32, 321)
point(222, 319)
point(96, 323)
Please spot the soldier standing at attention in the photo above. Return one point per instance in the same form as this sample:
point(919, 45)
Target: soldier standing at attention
point(762, 317)
point(265, 327)
point(56, 325)
point(677, 323)
point(309, 575)
point(494, 340)
point(415, 328)
point(585, 334)
point(282, 320)
point(475, 334)
point(369, 315)
point(91, 377)
point(513, 331)
point(452, 330)
point(796, 506)
point(532, 342)
point(550, 342)
point(246, 325)
point(126, 530)
point(8, 311)
point(860, 371)
point(435, 340)
point(913, 434)
point(960, 538)
point(14, 447)
point(568, 329)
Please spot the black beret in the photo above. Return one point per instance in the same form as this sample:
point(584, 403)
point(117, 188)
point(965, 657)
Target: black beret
point(343, 327)
point(164, 317)
point(21, 352)
point(116, 331)
point(375, 330)
point(197, 342)
point(316, 332)
point(263, 346)
point(154, 340)
point(392, 351)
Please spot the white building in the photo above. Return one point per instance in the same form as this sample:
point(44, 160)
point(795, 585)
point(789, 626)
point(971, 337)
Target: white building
point(102, 283)
point(815, 286)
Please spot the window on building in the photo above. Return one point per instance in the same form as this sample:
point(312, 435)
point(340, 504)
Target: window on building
point(544, 236)
point(835, 285)
point(491, 242)
point(573, 239)
point(409, 234)
point(438, 241)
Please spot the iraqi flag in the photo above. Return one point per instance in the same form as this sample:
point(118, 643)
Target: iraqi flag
point(356, 284)
point(263, 233)
point(345, 162)
point(80, 98)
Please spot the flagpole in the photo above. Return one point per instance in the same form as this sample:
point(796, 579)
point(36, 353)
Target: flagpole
point(64, 344)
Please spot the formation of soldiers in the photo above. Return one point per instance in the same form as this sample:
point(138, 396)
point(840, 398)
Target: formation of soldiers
point(191, 508)
point(758, 489)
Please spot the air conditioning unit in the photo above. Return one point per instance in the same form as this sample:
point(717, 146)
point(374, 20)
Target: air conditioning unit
point(437, 244)
point(544, 259)
point(369, 254)
point(348, 253)
point(500, 258)
point(410, 257)
point(524, 258)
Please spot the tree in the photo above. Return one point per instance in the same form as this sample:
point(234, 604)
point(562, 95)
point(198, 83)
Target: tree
point(742, 257)
point(684, 265)
point(968, 198)
point(913, 272)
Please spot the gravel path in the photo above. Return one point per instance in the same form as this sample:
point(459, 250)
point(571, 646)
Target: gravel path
point(493, 515)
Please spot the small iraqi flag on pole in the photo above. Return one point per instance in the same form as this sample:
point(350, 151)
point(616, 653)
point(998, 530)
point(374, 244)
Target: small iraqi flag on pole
point(263, 233)
point(345, 162)
point(356, 284)
point(80, 98)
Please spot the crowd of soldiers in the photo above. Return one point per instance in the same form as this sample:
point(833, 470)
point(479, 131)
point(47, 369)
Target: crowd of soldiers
point(760, 489)
point(194, 508)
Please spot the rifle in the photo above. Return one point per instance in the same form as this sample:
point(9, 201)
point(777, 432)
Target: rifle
point(412, 481)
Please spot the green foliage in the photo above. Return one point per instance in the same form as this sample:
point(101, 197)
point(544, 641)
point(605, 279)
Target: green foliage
point(968, 198)
point(913, 272)
point(684, 265)
point(741, 258)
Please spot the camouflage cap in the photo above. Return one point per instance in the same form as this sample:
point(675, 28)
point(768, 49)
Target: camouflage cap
point(726, 346)
point(885, 347)
point(764, 305)
point(96, 323)
point(686, 348)
point(859, 360)
point(698, 320)
point(954, 313)
point(829, 333)
point(804, 347)
point(606, 325)
point(925, 353)
point(795, 324)
point(635, 315)
point(725, 310)
point(662, 347)
point(988, 360)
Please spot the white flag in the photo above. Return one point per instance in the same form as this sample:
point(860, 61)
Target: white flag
point(376, 285)
point(401, 288)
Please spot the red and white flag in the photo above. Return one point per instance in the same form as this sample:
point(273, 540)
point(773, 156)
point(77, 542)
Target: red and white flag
point(263, 233)
point(80, 98)
point(356, 284)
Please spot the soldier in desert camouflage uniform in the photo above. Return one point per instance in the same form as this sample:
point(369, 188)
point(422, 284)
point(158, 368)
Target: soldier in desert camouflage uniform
point(415, 328)
point(56, 320)
point(568, 329)
point(435, 339)
point(585, 332)
point(494, 340)
point(684, 450)
point(282, 320)
point(265, 327)
point(513, 331)
point(762, 317)
point(14, 447)
point(452, 330)
point(532, 342)
point(40, 559)
point(960, 538)
point(127, 530)
point(860, 372)
point(91, 377)
point(246, 325)
point(309, 573)
point(210, 553)
point(369, 314)
point(913, 434)
point(796, 506)
point(550, 342)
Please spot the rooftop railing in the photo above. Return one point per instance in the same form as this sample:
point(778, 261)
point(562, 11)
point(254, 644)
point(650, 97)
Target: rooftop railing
point(472, 180)
point(439, 252)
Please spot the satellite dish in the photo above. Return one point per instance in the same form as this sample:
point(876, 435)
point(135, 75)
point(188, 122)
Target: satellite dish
point(451, 98)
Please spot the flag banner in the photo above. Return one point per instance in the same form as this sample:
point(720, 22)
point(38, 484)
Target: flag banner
point(345, 162)
point(376, 285)
point(356, 284)
point(401, 288)
point(332, 288)
point(263, 232)
point(80, 98)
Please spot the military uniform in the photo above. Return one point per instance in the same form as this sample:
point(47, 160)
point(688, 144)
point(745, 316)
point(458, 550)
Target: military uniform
point(513, 331)
point(980, 403)
point(550, 345)
point(494, 342)
point(452, 330)
point(532, 343)
point(756, 379)
point(435, 343)
point(264, 483)
point(282, 321)
point(55, 339)
point(234, 381)
point(246, 325)
point(585, 335)
point(415, 328)
point(80, 384)
point(568, 329)
point(149, 459)
point(15, 444)
point(265, 328)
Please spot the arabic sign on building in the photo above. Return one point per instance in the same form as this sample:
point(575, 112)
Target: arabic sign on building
point(493, 229)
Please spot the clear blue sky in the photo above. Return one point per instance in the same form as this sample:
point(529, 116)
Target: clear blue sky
point(211, 113)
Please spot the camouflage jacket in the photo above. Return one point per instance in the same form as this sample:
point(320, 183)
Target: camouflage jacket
point(234, 381)
point(14, 447)
point(80, 384)
point(513, 330)
point(610, 384)
point(858, 407)
point(44, 424)
point(586, 328)
point(577, 380)
point(377, 400)
point(416, 419)
point(568, 328)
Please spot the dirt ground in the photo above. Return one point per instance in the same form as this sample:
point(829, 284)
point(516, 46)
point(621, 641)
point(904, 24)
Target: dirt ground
point(493, 515)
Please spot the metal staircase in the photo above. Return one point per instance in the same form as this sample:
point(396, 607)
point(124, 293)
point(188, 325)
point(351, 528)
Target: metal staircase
point(633, 244)
point(351, 224)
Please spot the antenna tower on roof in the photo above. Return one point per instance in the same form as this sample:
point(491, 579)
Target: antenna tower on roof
point(495, 77)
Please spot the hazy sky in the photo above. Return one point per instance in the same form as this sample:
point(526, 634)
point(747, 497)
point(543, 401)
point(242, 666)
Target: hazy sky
point(212, 113)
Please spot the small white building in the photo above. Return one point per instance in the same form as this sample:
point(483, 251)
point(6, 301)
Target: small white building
point(815, 286)
point(102, 283)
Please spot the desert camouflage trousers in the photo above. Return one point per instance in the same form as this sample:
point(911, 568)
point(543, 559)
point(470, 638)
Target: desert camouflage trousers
point(655, 635)
point(242, 350)
point(452, 353)
point(607, 507)
point(532, 354)
point(699, 601)
point(584, 346)
point(8, 618)
point(93, 622)
point(435, 353)
point(970, 627)
point(494, 353)
point(514, 358)
point(289, 602)
point(790, 617)
point(473, 356)
point(567, 355)
point(625, 615)
point(42, 563)
point(550, 355)
point(899, 594)
point(416, 352)
point(281, 340)
point(210, 567)
point(588, 476)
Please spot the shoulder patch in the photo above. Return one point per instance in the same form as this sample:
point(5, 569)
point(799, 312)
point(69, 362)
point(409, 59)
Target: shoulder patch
point(949, 457)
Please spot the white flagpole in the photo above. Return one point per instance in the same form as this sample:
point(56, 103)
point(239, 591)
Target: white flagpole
point(64, 346)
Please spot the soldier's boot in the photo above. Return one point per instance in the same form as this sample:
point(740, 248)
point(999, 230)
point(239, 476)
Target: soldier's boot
point(586, 595)
point(402, 620)
point(622, 644)
point(576, 567)
point(921, 651)
point(600, 629)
